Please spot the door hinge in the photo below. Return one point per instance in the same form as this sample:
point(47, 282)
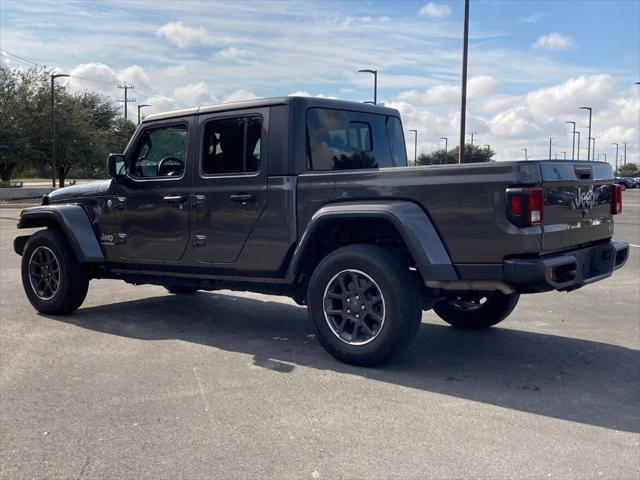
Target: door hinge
point(197, 200)
point(200, 241)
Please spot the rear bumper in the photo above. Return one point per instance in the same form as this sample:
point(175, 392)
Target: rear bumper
point(566, 271)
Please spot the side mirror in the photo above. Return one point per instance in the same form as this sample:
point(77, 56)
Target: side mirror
point(115, 165)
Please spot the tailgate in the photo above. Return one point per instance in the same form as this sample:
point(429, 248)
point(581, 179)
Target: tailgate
point(576, 203)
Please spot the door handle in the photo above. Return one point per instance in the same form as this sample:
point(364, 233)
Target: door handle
point(243, 197)
point(174, 198)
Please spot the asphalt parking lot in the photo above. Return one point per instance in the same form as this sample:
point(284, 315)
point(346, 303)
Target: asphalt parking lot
point(145, 385)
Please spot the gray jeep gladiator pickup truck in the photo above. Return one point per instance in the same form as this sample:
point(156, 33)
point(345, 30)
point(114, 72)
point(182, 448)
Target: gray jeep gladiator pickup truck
point(313, 199)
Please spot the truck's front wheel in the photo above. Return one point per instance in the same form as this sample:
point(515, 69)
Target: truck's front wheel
point(364, 304)
point(53, 279)
point(474, 311)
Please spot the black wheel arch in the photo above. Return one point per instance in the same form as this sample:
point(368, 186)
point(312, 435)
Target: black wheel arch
point(401, 223)
point(72, 221)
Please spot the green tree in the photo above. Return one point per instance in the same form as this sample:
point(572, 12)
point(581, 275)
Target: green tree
point(472, 154)
point(88, 126)
point(23, 125)
point(628, 170)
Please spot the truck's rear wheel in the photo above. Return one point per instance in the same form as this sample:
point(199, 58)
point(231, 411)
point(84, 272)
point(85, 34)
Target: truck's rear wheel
point(53, 279)
point(364, 304)
point(476, 310)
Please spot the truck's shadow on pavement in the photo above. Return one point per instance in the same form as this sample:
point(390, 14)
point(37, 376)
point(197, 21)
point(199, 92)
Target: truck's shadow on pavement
point(577, 380)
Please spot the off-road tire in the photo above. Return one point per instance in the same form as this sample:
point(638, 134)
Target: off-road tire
point(496, 308)
point(400, 293)
point(73, 280)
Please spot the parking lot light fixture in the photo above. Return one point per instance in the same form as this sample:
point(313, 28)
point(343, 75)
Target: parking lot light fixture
point(375, 83)
point(573, 140)
point(53, 128)
point(589, 141)
point(415, 146)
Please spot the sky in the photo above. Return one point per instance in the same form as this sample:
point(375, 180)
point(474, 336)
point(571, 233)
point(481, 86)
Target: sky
point(532, 64)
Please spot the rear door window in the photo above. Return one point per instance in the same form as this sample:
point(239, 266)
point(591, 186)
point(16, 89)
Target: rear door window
point(232, 145)
point(343, 140)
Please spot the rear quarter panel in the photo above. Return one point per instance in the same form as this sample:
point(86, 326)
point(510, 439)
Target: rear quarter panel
point(465, 203)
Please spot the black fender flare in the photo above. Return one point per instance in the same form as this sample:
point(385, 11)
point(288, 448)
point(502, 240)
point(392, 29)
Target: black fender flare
point(411, 221)
point(72, 220)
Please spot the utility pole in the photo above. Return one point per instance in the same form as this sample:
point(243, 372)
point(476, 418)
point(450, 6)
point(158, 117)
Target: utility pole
point(415, 147)
point(375, 83)
point(616, 156)
point(472, 134)
point(126, 100)
point(550, 148)
point(573, 141)
point(588, 141)
point(463, 102)
point(139, 107)
point(564, 155)
point(446, 143)
point(53, 129)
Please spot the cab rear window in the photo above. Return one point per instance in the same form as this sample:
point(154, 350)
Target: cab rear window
point(343, 140)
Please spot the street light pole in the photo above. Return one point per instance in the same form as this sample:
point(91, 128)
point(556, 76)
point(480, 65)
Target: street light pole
point(53, 129)
point(139, 107)
point(526, 157)
point(573, 141)
point(588, 141)
point(578, 133)
point(375, 83)
point(564, 155)
point(616, 156)
point(446, 143)
point(415, 147)
point(463, 101)
point(550, 147)
point(625, 153)
point(593, 150)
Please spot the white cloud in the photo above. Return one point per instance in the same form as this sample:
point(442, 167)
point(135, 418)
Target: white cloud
point(554, 41)
point(477, 86)
point(594, 91)
point(236, 54)
point(135, 75)
point(239, 95)
point(195, 94)
point(299, 93)
point(435, 10)
point(182, 35)
point(534, 18)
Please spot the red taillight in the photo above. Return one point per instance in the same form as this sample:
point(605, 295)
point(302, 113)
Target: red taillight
point(616, 199)
point(525, 206)
point(535, 206)
point(515, 204)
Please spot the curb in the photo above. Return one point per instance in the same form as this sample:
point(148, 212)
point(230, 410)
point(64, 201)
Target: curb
point(15, 206)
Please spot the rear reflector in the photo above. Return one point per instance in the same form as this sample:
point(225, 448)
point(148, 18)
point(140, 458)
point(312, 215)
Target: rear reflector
point(616, 199)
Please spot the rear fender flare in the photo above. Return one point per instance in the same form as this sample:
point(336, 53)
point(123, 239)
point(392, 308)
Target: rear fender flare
point(74, 223)
point(411, 221)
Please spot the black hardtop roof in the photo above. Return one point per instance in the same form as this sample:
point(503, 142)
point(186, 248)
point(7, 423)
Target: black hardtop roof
point(305, 102)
